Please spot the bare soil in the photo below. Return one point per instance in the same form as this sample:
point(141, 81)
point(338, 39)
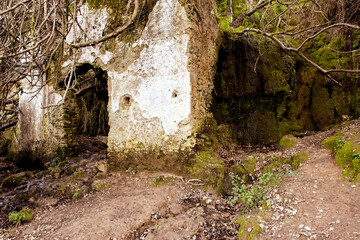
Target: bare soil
point(315, 202)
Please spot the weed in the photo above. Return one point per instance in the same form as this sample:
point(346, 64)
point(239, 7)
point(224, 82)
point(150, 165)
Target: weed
point(249, 195)
point(266, 178)
point(24, 215)
point(76, 194)
point(339, 145)
point(252, 195)
point(80, 173)
point(158, 181)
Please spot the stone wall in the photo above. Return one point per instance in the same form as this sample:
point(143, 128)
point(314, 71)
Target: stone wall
point(160, 73)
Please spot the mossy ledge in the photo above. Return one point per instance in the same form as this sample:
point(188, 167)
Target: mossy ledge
point(347, 155)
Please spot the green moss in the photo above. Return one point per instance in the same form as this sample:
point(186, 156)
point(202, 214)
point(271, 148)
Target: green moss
point(100, 185)
point(353, 170)
point(287, 142)
point(249, 228)
point(331, 142)
point(14, 180)
point(323, 54)
point(79, 173)
point(321, 108)
point(345, 155)
point(249, 164)
point(241, 172)
point(289, 127)
point(298, 159)
point(209, 169)
point(64, 190)
point(158, 181)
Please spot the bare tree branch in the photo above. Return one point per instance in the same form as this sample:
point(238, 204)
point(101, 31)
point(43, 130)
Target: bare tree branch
point(14, 7)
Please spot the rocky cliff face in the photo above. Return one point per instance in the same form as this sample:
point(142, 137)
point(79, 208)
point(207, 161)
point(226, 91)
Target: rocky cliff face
point(263, 97)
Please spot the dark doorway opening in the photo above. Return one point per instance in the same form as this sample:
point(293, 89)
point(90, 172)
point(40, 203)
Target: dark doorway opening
point(91, 93)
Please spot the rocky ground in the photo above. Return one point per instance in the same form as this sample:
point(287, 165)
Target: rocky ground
point(313, 202)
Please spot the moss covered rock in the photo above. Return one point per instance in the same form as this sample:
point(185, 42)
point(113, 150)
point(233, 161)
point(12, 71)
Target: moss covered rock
point(209, 169)
point(249, 228)
point(298, 159)
point(347, 155)
point(287, 142)
point(14, 180)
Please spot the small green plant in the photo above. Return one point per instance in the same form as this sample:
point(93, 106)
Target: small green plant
point(158, 181)
point(76, 194)
point(248, 195)
point(339, 145)
point(24, 215)
point(266, 178)
point(80, 173)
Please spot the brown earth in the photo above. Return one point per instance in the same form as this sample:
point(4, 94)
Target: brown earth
point(315, 202)
point(320, 203)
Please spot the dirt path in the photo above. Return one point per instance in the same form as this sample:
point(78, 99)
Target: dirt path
point(314, 203)
point(130, 202)
point(321, 205)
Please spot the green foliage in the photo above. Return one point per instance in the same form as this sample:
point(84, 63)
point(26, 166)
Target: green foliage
point(24, 215)
point(344, 155)
point(331, 142)
point(287, 142)
point(250, 196)
point(76, 194)
point(158, 181)
point(339, 145)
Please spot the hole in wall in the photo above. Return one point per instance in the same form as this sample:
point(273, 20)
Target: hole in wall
point(125, 102)
point(175, 94)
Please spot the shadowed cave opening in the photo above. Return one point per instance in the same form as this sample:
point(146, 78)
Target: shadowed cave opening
point(91, 123)
point(92, 100)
